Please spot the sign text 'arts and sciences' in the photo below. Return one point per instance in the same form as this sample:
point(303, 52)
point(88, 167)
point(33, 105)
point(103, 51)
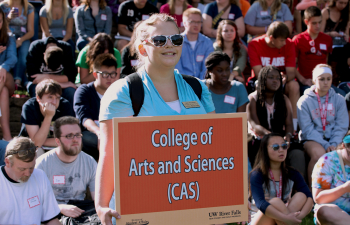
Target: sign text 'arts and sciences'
point(185, 164)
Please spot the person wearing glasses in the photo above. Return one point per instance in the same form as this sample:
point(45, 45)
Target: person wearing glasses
point(28, 197)
point(40, 112)
point(331, 186)
point(271, 185)
point(196, 47)
point(159, 46)
point(62, 68)
point(69, 170)
point(88, 96)
point(270, 111)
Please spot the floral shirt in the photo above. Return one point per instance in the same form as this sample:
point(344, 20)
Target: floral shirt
point(328, 174)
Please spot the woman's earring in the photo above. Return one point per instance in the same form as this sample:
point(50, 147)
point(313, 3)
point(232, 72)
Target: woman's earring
point(142, 50)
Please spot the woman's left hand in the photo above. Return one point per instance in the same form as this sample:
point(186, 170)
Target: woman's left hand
point(3, 75)
point(18, 43)
point(330, 148)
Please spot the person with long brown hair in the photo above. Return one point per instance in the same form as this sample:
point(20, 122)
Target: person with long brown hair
point(92, 17)
point(8, 60)
point(101, 43)
point(228, 41)
point(175, 8)
point(20, 17)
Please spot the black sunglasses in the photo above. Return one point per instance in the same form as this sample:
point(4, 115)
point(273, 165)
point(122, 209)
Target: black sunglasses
point(161, 40)
point(106, 75)
point(276, 147)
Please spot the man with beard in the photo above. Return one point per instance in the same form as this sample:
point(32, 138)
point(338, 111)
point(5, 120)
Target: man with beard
point(27, 195)
point(69, 170)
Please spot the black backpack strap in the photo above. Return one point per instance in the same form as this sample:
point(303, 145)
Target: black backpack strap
point(194, 83)
point(136, 91)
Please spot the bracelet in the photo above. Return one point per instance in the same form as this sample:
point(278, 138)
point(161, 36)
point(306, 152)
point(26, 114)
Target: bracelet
point(291, 135)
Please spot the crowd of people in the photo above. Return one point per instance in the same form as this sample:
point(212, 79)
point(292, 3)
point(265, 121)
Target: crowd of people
point(283, 63)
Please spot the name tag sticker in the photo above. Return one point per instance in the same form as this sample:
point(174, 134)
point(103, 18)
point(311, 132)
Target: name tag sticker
point(231, 16)
point(134, 62)
point(199, 58)
point(103, 17)
point(330, 106)
point(229, 99)
point(63, 32)
point(191, 104)
point(23, 29)
point(59, 179)
point(34, 201)
point(264, 13)
point(145, 17)
point(323, 47)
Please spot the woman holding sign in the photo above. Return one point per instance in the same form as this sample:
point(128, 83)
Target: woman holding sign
point(166, 92)
point(271, 184)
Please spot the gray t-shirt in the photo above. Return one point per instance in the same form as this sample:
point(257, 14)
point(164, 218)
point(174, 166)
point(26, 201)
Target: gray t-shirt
point(57, 28)
point(258, 17)
point(68, 180)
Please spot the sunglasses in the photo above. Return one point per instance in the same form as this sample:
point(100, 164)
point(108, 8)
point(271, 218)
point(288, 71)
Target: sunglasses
point(106, 75)
point(161, 40)
point(22, 153)
point(276, 147)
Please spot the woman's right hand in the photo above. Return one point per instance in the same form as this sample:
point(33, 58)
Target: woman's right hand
point(291, 219)
point(12, 14)
point(334, 34)
point(106, 214)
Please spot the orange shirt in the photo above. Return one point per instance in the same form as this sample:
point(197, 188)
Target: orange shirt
point(245, 5)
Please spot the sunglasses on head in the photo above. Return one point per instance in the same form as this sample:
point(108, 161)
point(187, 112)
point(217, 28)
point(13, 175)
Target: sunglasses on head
point(161, 40)
point(276, 147)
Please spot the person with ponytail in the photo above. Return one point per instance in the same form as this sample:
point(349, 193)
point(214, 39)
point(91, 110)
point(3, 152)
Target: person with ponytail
point(271, 185)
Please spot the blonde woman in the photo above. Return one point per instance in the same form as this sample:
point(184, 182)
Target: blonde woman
point(220, 10)
point(56, 20)
point(263, 12)
point(20, 17)
point(175, 8)
point(166, 88)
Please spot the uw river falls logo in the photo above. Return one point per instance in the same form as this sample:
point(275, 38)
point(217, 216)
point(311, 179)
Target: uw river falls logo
point(138, 222)
point(222, 214)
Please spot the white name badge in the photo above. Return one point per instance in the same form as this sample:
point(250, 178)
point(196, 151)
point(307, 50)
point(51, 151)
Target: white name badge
point(134, 62)
point(59, 179)
point(145, 17)
point(199, 58)
point(63, 32)
point(229, 99)
point(103, 17)
point(323, 47)
point(264, 13)
point(23, 29)
point(34, 201)
point(231, 16)
point(330, 106)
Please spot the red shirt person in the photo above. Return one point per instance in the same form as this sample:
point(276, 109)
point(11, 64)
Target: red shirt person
point(312, 47)
point(276, 49)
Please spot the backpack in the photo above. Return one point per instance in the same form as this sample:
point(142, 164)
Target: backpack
point(137, 93)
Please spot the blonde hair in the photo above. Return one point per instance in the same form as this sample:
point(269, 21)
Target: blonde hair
point(191, 11)
point(275, 7)
point(172, 6)
point(20, 143)
point(65, 10)
point(25, 4)
point(142, 34)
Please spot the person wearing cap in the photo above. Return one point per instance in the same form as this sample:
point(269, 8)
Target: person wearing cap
point(38, 70)
point(331, 186)
point(322, 116)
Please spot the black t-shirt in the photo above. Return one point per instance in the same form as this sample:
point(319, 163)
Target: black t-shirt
point(129, 14)
point(31, 115)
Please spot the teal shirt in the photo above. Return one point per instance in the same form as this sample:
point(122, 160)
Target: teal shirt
point(116, 101)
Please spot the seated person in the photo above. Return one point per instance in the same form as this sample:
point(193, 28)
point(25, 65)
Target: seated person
point(38, 68)
point(176, 8)
point(88, 96)
point(331, 186)
point(130, 12)
point(322, 116)
point(40, 112)
point(271, 185)
point(28, 197)
point(269, 110)
point(3, 145)
point(101, 43)
point(69, 170)
point(196, 47)
point(91, 19)
point(276, 49)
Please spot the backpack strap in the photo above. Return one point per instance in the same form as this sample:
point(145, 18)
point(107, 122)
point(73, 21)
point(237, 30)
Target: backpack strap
point(136, 91)
point(194, 83)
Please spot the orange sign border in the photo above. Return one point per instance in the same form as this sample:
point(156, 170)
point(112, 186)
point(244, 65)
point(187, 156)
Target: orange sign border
point(188, 216)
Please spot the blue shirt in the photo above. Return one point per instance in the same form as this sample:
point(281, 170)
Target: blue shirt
point(212, 10)
point(116, 100)
point(8, 58)
point(192, 60)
